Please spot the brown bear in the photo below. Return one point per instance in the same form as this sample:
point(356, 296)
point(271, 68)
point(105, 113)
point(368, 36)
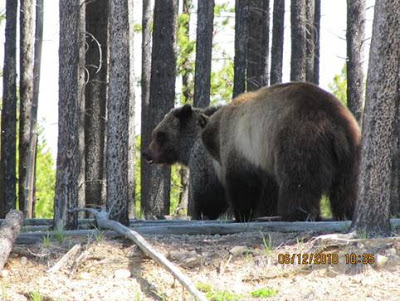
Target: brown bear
point(176, 139)
point(296, 138)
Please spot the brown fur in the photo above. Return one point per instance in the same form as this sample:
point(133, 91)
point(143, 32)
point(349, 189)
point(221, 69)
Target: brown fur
point(293, 142)
point(176, 139)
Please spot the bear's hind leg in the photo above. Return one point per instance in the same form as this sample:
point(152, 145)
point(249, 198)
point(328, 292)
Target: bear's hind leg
point(299, 203)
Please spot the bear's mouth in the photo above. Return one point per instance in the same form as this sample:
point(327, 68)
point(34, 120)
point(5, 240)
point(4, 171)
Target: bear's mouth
point(150, 161)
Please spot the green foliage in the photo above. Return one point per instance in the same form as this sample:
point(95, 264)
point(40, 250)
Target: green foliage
point(339, 85)
point(325, 207)
point(222, 83)
point(264, 293)
point(185, 59)
point(137, 176)
point(45, 181)
point(176, 188)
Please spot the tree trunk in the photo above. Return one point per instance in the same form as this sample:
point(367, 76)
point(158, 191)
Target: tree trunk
point(299, 40)
point(118, 112)
point(257, 44)
point(156, 189)
point(33, 135)
point(372, 215)
point(131, 131)
point(70, 86)
point(187, 91)
point(241, 15)
point(147, 24)
point(310, 40)
point(317, 39)
point(277, 41)
point(184, 174)
point(96, 99)
point(355, 56)
point(9, 112)
point(205, 27)
point(26, 95)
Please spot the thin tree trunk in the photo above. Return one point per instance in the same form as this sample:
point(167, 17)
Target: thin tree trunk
point(96, 100)
point(299, 41)
point(317, 39)
point(372, 215)
point(131, 132)
point(67, 176)
point(147, 24)
point(26, 95)
point(310, 40)
point(356, 10)
point(81, 110)
point(257, 44)
point(187, 91)
point(33, 135)
point(9, 112)
point(277, 41)
point(205, 27)
point(118, 112)
point(156, 190)
point(241, 15)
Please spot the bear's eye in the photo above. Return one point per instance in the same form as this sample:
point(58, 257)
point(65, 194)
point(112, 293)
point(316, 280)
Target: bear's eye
point(161, 137)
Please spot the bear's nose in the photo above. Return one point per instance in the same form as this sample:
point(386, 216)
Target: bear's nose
point(147, 156)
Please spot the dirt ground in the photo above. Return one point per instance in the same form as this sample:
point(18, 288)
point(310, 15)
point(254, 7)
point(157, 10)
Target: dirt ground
point(243, 266)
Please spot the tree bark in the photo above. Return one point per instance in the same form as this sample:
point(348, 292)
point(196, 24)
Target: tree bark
point(33, 135)
point(187, 91)
point(9, 232)
point(277, 41)
point(356, 10)
point(147, 24)
point(118, 112)
point(257, 44)
point(310, 40)
point(205, 27)
point(9, 112)
point(96, 100)
point(372, 215)
point(317, 39)
point(239, 78)
point(156, 189)
point(131, 131)
point(70, 86)
point(26, 95)
point(299, 40)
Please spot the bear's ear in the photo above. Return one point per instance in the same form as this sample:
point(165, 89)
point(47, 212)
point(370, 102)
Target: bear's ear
point(203, 120)
point(184, 112)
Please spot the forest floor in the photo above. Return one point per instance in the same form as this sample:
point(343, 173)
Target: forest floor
point(241, 266)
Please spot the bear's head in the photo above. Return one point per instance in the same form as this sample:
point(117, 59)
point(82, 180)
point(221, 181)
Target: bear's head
point(173, 138)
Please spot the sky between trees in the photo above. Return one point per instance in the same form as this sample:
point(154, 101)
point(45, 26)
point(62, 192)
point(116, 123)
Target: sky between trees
point(333, 54)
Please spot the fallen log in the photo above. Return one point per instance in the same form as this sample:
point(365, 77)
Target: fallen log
point(8, 233)
point(104, 223)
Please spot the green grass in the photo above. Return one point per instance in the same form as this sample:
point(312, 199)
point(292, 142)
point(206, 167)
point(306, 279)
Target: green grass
point(268, 244)
point(59, 235)
point(264, 293)
point(36, 296)
point(47, 240)
point(214, 295)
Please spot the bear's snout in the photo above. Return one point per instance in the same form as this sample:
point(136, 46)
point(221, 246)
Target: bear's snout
point(146, 154)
